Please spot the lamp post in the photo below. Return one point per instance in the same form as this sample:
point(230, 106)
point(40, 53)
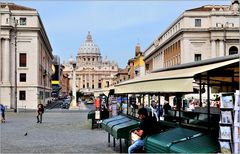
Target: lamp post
point(74, 64)
point(44, 82)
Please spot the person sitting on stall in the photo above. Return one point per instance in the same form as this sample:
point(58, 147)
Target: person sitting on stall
point(147, 127)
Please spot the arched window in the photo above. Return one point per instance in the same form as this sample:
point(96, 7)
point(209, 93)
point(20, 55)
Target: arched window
point(233, 50)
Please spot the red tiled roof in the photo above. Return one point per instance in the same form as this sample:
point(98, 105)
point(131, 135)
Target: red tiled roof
point(13, 6)
point(208, 8)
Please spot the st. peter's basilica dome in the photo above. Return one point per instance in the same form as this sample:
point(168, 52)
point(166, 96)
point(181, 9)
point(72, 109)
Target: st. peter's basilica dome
point(89, 46)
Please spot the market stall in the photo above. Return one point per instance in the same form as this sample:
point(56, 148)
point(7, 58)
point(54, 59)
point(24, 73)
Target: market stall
point(219, 75)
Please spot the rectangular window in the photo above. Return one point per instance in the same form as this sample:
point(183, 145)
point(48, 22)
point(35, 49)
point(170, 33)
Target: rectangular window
point(22, 95)
point(23, 77)
point(23, 21)
point(107, 83)
point(198, 57)
point(99, 85)
point(197, 22)
point(93, 86)
point(83, 85)
point(147, 67)
point(23, 60)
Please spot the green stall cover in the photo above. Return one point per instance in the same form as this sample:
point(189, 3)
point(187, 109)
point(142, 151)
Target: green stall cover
point(159, 143)
point(201, 144)
point(122, 130)
point(106, 121)
point(110, 125)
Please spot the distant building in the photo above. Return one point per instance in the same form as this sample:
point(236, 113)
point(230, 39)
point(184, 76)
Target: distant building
point(25, 57)
point(56, 76)
point(64, 83)
point(122, 75)
point(92, 72)
point(136, 65)
point(131, 70)
point(139, 65)
point(197, 34)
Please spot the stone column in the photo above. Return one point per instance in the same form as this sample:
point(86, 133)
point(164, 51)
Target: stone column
point(81, 81)
point(1, 59)
point(221, 48)
point(213, 49)
point(73, 103)
point(153, 63)
point(6, 62)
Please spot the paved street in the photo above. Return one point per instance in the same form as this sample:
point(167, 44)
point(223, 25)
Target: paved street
point(60, 132)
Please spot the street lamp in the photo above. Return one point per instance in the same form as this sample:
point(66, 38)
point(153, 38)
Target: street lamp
point(74, 64)
point(44, 82)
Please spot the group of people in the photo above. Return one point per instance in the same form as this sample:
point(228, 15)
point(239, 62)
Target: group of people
point(40, 111)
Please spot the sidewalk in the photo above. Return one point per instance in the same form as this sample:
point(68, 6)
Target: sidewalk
point(60, 132)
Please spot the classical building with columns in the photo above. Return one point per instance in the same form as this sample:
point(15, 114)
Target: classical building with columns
point(92, 71)
point(25, 58)
point(197, 34)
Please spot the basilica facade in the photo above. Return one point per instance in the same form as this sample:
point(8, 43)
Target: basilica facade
point(92, 71)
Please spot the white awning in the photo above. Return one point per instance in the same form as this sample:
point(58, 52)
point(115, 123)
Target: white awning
point(179, 80)
point(104, 91)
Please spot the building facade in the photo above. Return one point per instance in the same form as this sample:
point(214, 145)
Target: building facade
point(136, 65)
point(201, 33)
point(139, 65)
point(92, 71)
point(64, 83)
point(121, 76)
point(25, 58)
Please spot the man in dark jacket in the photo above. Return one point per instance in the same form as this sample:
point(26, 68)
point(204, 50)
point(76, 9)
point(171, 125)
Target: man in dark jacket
point(40, 111)
point(147, 127)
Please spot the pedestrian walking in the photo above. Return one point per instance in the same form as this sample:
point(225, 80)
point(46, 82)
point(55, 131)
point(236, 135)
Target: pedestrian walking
point(2, 110)
point(40, 111)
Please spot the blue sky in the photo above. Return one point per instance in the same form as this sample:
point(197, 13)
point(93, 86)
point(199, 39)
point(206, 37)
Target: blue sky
point(116, 26)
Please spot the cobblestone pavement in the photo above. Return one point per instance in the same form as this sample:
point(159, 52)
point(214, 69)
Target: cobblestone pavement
point(60, 132)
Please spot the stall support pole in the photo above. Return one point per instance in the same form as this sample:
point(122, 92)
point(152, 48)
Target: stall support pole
point(158, 106)
point(149, 99)
point(120, 142)
point(143, 99)
point(114, 142)
point(107, 103)
point(200, 90)
point(108, 138)
point(232, 83)
point(127, 103)
point(208, 97)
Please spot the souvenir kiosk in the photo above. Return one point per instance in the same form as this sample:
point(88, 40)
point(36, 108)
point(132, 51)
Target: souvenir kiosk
point(186, 131)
